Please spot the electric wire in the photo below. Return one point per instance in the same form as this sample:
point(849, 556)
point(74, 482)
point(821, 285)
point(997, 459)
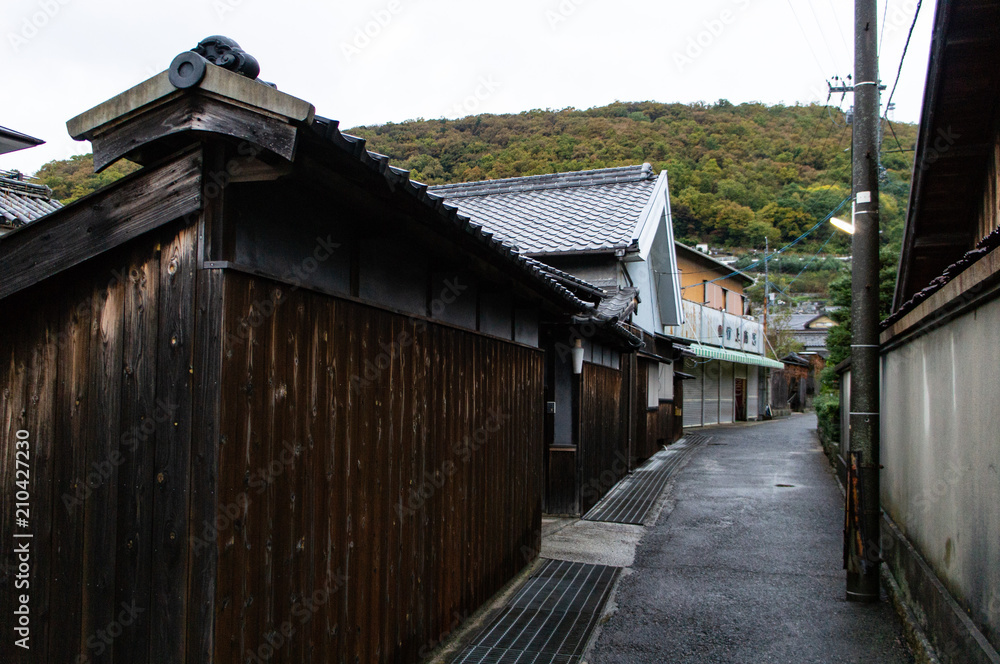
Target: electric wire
point(902, 58)
point(899, 72)
point(805, 36)
point(881, 37)
point(843, 39)
point(775, 253)
point(822, 33)
point(898, 144)
point(814, 257)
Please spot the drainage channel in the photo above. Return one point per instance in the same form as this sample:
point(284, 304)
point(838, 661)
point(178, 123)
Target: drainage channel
point(549, 620)
point(633, 497)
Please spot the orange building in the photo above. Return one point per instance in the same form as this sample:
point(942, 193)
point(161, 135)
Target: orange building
point(726, 364)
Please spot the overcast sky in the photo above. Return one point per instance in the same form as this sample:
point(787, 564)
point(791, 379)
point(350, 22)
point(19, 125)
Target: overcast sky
point(376, 61)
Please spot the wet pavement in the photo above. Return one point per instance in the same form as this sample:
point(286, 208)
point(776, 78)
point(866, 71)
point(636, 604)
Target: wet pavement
point(744, 563)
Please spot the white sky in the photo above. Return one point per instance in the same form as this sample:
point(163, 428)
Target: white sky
point(444, 58)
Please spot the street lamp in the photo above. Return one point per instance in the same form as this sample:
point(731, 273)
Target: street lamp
point(842, 225)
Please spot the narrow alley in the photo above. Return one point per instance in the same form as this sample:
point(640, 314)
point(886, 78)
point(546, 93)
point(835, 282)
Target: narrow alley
point(744, 563)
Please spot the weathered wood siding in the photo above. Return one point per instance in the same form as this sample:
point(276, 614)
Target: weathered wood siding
point(97, 367)
point(654, 427)
point(379, 476)
point(643, 441)
point(989, 213)
point(603, 447)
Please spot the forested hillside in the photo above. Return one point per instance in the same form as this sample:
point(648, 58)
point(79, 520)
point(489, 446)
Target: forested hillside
point(738, 173)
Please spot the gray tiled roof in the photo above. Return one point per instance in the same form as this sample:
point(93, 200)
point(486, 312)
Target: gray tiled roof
point(613, 304)
point(618, 304)
point(329, 131)
point(540, 214)
point(22, 202)
point(560, 284)
point(799, 321)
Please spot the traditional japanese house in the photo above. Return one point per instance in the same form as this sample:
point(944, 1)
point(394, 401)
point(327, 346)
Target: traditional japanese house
point(605, 234)
point(940, 367)
point(281, 403)
point(21, 202)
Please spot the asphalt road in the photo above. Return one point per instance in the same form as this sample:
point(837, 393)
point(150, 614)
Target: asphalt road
point(742, 569)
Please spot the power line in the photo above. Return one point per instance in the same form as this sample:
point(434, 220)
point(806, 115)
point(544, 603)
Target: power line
point(814, 257)
point(885, 13)
point(898, 144)
point(837, 23)
point(906, 46)
point(804, 35)
point(899, 72)
point(772, 255)
point(822, 33)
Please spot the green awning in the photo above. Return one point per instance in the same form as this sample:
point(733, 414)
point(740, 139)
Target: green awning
point(734, 356)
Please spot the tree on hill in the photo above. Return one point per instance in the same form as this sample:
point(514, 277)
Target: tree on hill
point(73, 178)
point(739, 173)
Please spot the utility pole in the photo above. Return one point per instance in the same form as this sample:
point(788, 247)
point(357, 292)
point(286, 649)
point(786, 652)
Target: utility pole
point(767, 288)
point(863, 514)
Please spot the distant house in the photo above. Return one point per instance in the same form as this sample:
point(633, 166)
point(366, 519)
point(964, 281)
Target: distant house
point(792, 388)
point(21, 202)
point(609, 231)
point(811, 331)
point(726, 364)
point(940, 446)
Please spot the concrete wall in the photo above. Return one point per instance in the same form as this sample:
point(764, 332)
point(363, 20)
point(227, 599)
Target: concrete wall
point(941, 452)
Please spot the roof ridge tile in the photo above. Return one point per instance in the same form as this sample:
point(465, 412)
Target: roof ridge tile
point(615, 175)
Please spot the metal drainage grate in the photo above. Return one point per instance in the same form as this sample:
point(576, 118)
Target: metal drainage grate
point(633, 497)
point(549, 620)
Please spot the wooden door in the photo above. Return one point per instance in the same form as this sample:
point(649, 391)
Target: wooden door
point(741, 399)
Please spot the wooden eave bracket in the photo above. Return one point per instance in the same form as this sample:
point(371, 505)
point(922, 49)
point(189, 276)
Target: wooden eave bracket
point(149, 120)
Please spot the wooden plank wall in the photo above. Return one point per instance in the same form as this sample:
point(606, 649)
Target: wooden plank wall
point(989, 212)
point(654, 427)
point(603, 446)
point(645, 438)
point(659, 427)
point(380, 477)
point(563, 490)
point(97, 366)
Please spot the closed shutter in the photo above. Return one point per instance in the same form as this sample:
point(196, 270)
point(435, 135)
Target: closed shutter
point(727, 389)
point(693, 395)
point(711, 391)
point(753, 394)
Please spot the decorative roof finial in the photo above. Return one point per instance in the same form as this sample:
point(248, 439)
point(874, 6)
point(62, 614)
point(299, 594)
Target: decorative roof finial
point(226, 53)
point(188, 68)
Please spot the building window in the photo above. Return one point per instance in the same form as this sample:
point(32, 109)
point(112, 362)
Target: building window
point(666, 381)
point(660, 383)
point(652, 385)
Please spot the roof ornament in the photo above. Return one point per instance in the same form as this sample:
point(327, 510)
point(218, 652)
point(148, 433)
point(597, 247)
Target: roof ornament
point(188, 68)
